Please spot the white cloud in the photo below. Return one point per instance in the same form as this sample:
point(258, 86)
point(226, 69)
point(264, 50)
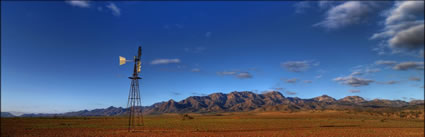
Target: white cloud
point(115, 10)
point(345, 14)
point(393, 29)
point(353, 81)
point(79, 3)
point(165, 61)
point(404, 28)
point(411, 38)
point(406, 10)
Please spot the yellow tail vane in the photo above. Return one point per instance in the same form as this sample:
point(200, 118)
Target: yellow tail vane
point(122, 60)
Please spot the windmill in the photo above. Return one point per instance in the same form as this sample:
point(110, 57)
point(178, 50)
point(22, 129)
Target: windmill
point(135, 116)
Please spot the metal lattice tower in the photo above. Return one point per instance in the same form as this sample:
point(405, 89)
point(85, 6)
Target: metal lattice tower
point(134, 105)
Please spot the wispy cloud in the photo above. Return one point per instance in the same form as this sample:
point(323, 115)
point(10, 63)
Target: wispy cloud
point(300, 7)
point(392, 82)
point(227, 73)
point(354, 91)
point(353, 81)
point(176, 93)
point(198, 94)
point(165, 61)
point(414, 79)
point(356, 72)
point(409, 65)
point(290, 93)
point(324, 4)
point(196, 70)
point(86, 4)
point(79, 3)
point(115, 10)
point(385, 62)
point(199, 49)
point(239, 75)
point(319, 76)
point(298, 66)
point(279, 89)
point(308, 81)
point(363, 70)
point(373, 70)
point(208, 34)
point(408, 99)
point(292, 80)
point(244, 75)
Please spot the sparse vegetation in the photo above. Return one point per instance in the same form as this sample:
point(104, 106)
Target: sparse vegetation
point(186, 117)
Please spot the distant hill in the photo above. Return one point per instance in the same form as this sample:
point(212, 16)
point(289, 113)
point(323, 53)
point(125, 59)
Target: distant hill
point(7, 114)
point(249, 101)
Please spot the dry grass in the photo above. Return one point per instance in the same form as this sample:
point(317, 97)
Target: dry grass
point(268, 124)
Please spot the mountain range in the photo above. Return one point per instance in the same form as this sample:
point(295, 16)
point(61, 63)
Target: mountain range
point(248, 101)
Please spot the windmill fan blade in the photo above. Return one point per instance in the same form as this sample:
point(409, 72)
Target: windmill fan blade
point(139, 66)
point(122, 60)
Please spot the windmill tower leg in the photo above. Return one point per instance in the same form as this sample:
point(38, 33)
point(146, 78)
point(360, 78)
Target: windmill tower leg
point(135, 117)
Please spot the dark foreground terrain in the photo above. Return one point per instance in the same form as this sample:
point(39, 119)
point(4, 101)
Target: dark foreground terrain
point(266, 124)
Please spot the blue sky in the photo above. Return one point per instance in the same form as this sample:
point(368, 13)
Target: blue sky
point(63, 56)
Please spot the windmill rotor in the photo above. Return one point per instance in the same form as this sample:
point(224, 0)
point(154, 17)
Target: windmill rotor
point(137, 60)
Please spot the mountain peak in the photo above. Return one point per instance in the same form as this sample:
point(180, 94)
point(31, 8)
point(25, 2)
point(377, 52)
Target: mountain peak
point(111, 107)
point(416, 102)
point(272, 92)
point(353, 99)
point(324, 98)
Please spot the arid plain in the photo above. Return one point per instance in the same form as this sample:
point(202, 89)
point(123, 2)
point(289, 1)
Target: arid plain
point(252, 124)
